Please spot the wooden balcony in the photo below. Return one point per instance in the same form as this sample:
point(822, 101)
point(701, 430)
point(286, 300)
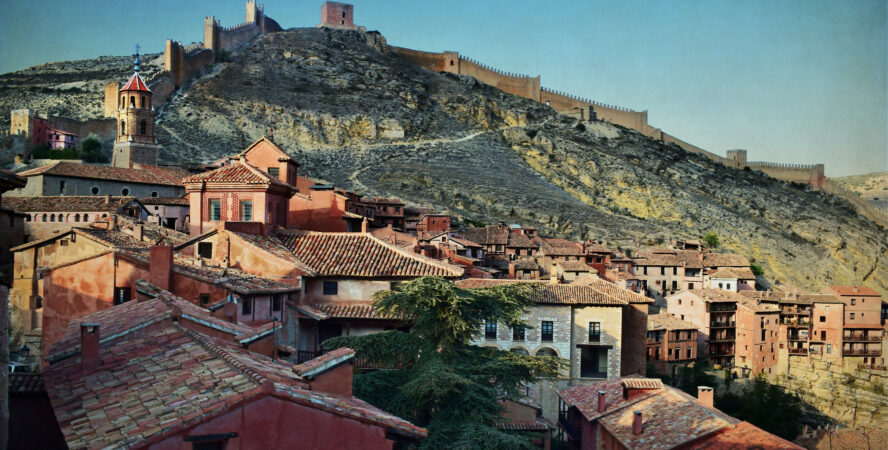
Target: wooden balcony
point(860, 337)
point(798, 351)
point(860, 352)
point(723, 324)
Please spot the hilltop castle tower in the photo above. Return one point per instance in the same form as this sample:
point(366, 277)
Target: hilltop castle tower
point(135, 144)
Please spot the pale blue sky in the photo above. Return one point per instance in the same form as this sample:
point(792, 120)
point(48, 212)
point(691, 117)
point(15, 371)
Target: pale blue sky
point(790, 81)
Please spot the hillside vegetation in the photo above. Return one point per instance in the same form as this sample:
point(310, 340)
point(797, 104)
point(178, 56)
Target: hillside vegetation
point(356, 115)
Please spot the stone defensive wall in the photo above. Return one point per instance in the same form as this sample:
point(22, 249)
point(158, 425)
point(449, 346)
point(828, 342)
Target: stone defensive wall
point(103, 128)
point(181, 65)
point(798, 173)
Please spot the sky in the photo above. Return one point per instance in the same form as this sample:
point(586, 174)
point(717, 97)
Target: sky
point(789, 81)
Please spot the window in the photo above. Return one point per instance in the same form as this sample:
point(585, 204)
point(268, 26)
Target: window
point(86, 217)
point(246, 210)
point(132, 101)
point(122, 295)
point(62, 189)
point(679, 301)
point(593, 362)
point(276, 303)
point(490, 330)
point(274, 171)
point(851, 316)
point(52, 217)
point(122, 127)
point(215, 209)
point(691, 286)
point(823, 318)
point(154, 194)
point(675, 270)
point(594, 331)
point(143, 102)
point(124, 192)
point(246, 306)
point(205, 249)
point(143, 127)
point(689, 353)
point(674, 285)
point(63, 242)
point(829, 348)
point(547, 331)
point(518, 333)
point(763, 335)
point(331, 288)
point(77, 217)
point(95, 190)
point(823, 335)
point(204, 299)
point(852, 300)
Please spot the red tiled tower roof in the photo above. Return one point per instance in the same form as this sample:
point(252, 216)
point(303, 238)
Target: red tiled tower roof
point(135, 83)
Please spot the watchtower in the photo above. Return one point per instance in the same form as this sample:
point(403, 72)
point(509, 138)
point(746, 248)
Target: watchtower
point(135, 143)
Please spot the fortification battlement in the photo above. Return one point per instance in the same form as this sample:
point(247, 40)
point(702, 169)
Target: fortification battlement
point(589, 101)
point(493, 69)
point(783, 165)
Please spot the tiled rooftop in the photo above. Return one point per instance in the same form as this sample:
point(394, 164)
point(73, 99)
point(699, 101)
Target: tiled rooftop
point(67, 203)
point(664, 321)
point(717, 295)
point(146, 175)
point(156, 380)
point(360, 255)
point(238, 172)
point(166, 201)
point(544, 293)
point(575, 266)
point(352, 310)
point(520, 241)
point(642, 383)
point(608, 288)
point(846, 291)
point(26, 383)
point(490, 235)
point(743, 273)
point(560, 247)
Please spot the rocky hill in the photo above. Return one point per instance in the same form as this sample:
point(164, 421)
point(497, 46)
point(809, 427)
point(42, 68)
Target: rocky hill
point(356, 115)
point(872, 187)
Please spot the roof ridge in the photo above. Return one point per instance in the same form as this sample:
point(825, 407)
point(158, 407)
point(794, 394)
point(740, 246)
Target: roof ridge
point(219, 352)
point(414, 256)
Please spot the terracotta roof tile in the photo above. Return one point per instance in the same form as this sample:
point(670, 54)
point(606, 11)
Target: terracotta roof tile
point(724, 260)
point(745, 435)
point(26, 383)
point(490, 235)
point(68, 203)
point(735, 273)
point(146, 175)
point(315, 366)
point(135, 83)
point(166, 201)
point(523, 426)
point(352, 310)
point(517, 240)
point(716, 295)
point(642, 383)
point(663, 321)
point(238, 172)
point(544, 293)
point(560, 247)
point(360, 255)
point(850, 290)
point(575, 266)
point(611, 289)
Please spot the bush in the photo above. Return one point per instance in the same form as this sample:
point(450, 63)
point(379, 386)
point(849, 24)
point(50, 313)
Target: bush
point(91, 150)
point(756, 269)
point(711, 240)
point(40, 152)
point(766, 406)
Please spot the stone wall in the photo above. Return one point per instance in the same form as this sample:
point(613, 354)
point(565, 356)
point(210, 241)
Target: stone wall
point(520, 85)
point(839, 390)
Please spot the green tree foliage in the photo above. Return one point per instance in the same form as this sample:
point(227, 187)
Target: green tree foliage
point(40, 151)
point(439, 380)
point(711, 240)
point(766, 406)
point(91, 150)
point(756, 270)
point(689, 378)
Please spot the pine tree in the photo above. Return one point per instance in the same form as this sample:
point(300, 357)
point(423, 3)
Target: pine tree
point(439, 380)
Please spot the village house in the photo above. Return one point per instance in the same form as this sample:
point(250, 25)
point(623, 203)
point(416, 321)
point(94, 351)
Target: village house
point(671, 343)
point(863, 320)
point(634, 412)
point(144, 357)
point(388, 211)
point(238, 192)
point(599, 257)
point(757, 339)
point(60, 139)
point(169, 212)
point(76, 179)
point(27, 293)
point(12, 223)
point(665, 271)
point(48, 215)
point(432, 225)
point(714, 313)
point(339, 273)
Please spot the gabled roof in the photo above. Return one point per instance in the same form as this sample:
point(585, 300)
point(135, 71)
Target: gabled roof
point(668, 322)
point(489, 235)
point(155, 382)
point(560, 247)
point(724, 260)
point(846, 291)
point(360, 255)
point(550, 294)
point(166, 201)
point(51, 203)
point(350, 310)
point(739, 273)
point(517, 240)
point(611, 289)
point(135, 83)
point(575, 266)
point(164, 176)
point(10, 180)
point(714, 295)
point(239, 172)
point(264, 140)
point(464, 242)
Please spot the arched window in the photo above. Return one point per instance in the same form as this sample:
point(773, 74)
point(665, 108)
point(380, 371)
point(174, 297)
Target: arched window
point(52, 217)
point(122, 101)
point(104, 215)
point(124, 192)
point(519, 351)
point(86, 217)
point(143, 127)
point(44, 217)
point(154, 194)
point(143, 101)
point(122, 127)
point(132, 101)
point(28, 218)
point(546, 351)
point(77, 217)
point(95, 190)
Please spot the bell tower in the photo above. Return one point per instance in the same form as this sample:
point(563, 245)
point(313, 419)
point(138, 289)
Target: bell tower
point(135, 144)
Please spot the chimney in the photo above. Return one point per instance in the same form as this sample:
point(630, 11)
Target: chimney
point(112, 223)
point(636, 423)
point(601, 402)
point(511, 270)
point(161, 266)
point(553, 274)
point(137, 231)
point(364, 225)
point(704, 395)
point(107, 199)
point(89, 346)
